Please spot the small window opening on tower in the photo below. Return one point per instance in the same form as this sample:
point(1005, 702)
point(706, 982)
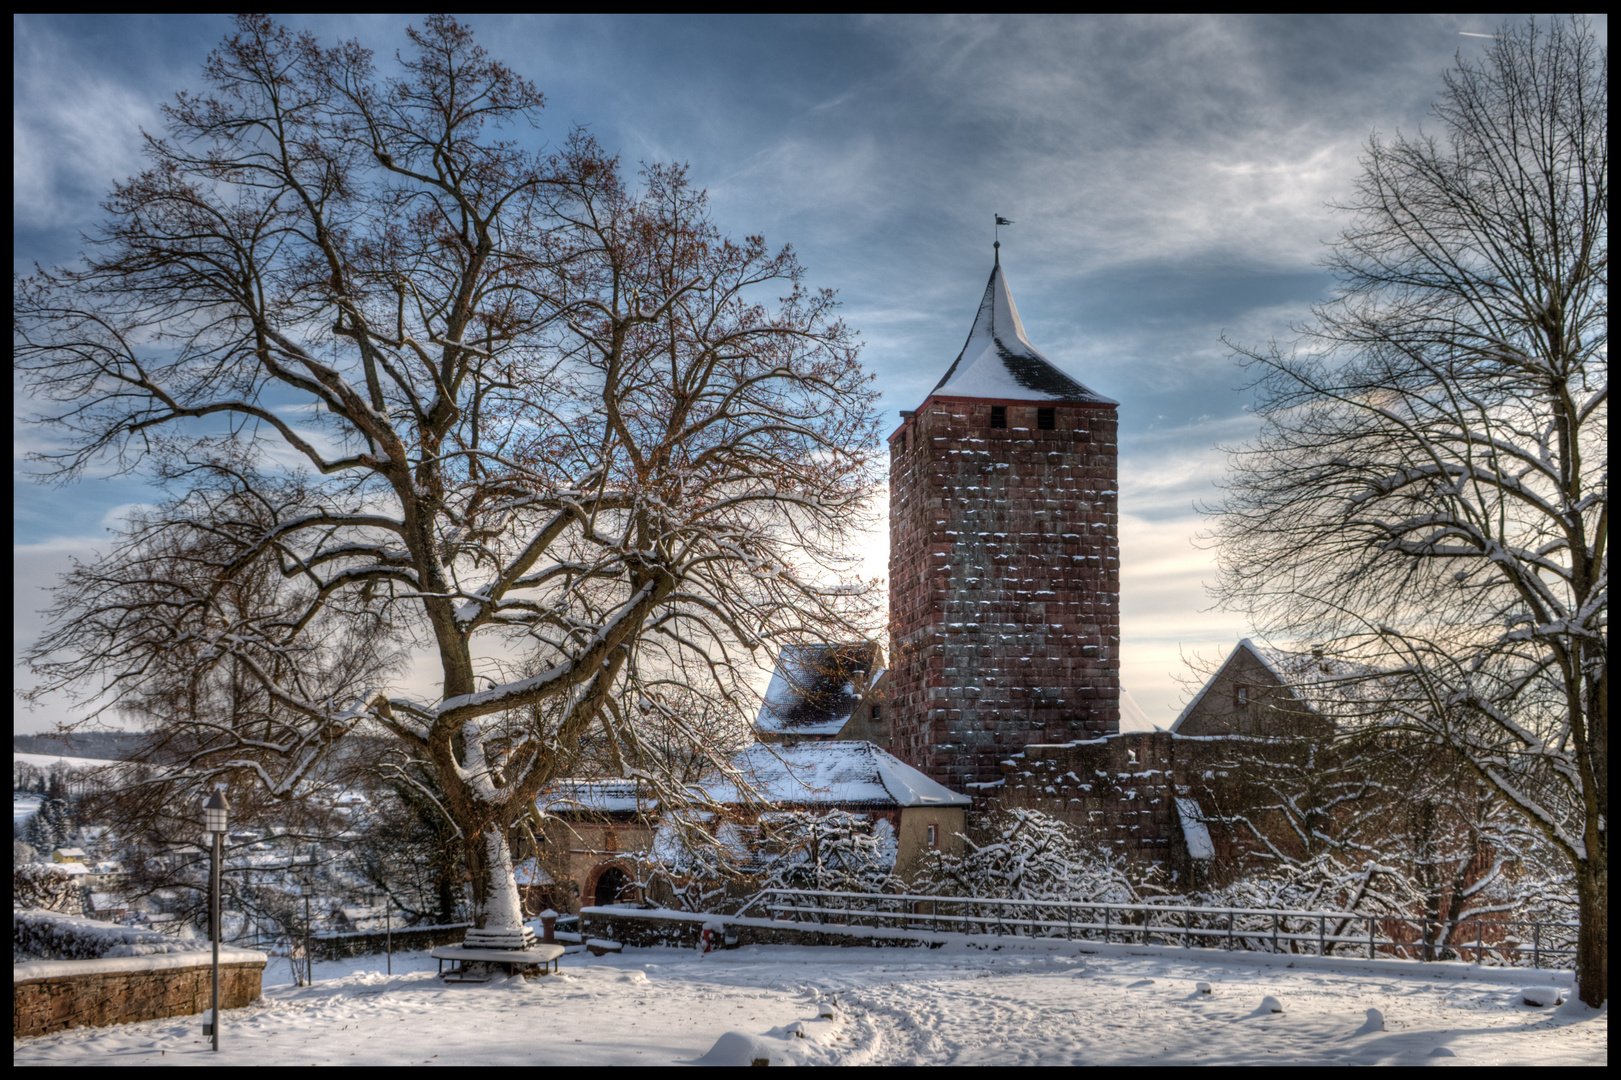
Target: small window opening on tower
point(934, 836)
point(1241, 695)
point(999, 416)
point(877, 712)
point(1046, 419)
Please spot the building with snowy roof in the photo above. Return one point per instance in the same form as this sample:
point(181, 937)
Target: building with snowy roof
point(587, 831)
point(824, 692)
point(1004, 557)
point(1262, 690)
point(592, 830)
point(850, 775)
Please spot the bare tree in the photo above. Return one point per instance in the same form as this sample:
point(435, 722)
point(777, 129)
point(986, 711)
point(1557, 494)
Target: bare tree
point(1429, 490)
point(1380, 823)
point(495, 406)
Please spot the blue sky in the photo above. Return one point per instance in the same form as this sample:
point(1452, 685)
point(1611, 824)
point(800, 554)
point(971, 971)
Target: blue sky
point(1170, 177)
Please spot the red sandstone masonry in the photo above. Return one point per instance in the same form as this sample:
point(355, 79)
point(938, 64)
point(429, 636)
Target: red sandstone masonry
point(1004, 584)
point(99, 999)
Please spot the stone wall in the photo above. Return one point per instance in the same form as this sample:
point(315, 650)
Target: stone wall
point(1004, 584)
point(364, 942)
point(1122, 790)
point(49, 996)
point(1118, 790)
point(576, 851)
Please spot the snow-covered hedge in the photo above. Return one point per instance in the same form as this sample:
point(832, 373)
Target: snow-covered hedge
point(1022, 854)
point(45, 886)
point(50, 935)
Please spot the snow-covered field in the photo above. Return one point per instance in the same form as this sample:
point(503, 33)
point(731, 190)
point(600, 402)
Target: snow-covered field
point(47, 762)
point(1025, 1004)
point(24, 807)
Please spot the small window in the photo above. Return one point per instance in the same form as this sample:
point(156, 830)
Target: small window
point(1046, 419)
point(934, 836)
point(1241, 695)
point(877, 712)
point(999, 416)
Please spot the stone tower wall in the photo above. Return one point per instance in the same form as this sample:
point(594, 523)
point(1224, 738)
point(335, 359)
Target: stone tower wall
point(1004, 584)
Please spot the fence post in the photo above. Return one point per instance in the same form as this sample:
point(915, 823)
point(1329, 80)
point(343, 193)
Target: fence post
point(1229, 931)
point(1480, 937)
point(1536, 945)
point(1320, 920)
point(1106, 914)
point(1370, 937)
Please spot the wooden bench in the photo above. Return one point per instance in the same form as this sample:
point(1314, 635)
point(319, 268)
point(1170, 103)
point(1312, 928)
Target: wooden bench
point(511, 959)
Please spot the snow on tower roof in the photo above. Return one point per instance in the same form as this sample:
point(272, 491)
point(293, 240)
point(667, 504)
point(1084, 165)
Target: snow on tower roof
point(847, 772)
point(814, 687)
point(998, 361)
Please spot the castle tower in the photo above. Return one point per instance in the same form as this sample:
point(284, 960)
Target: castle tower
point(1004, 574)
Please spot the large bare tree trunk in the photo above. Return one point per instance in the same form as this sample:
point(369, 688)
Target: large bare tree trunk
point(1593, 938)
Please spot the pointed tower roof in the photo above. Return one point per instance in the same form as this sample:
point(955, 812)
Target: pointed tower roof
point(998, 361)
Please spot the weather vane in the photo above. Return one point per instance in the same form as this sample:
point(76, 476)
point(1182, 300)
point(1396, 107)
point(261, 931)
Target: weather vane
point(997, 246)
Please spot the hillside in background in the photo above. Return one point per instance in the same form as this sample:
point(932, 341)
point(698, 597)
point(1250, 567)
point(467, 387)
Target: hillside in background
point(113, 745)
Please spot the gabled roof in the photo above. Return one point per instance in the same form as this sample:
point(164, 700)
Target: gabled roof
point(848, 773)
point(999, 362)
point(1298, 672)
point(814, 687)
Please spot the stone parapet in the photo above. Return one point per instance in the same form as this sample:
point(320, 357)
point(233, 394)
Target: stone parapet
point(1118, 790)
point(53, 995)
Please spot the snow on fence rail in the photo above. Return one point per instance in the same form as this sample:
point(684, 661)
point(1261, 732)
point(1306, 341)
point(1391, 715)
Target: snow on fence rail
point(1481, 941)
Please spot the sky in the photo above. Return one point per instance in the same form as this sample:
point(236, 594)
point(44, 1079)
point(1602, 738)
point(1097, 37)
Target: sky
point(1171, 180)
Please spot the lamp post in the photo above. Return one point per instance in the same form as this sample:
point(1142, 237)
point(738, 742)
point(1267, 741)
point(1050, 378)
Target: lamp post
point(306, 887)
point(215, 812)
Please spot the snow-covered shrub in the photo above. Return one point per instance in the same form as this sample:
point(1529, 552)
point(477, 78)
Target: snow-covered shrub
point(834, 850)
point(1022, 854)
point(46, 887)
point(51, 935)
point(1321, 884)
point(695, 865)
point(719, 867)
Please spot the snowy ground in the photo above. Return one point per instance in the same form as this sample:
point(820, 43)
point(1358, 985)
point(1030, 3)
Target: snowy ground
point(1021, 1005)
point(24, 807)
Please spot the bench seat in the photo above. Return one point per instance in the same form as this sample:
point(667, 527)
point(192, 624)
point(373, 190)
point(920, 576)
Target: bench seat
point(543, 955)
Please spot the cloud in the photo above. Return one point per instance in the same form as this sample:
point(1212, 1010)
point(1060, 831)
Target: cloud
point(73, 128)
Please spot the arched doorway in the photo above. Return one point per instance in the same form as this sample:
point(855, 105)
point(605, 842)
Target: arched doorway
point(610, 883)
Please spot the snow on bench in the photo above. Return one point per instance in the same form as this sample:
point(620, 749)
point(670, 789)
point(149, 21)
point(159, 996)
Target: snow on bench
point(543, 955)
